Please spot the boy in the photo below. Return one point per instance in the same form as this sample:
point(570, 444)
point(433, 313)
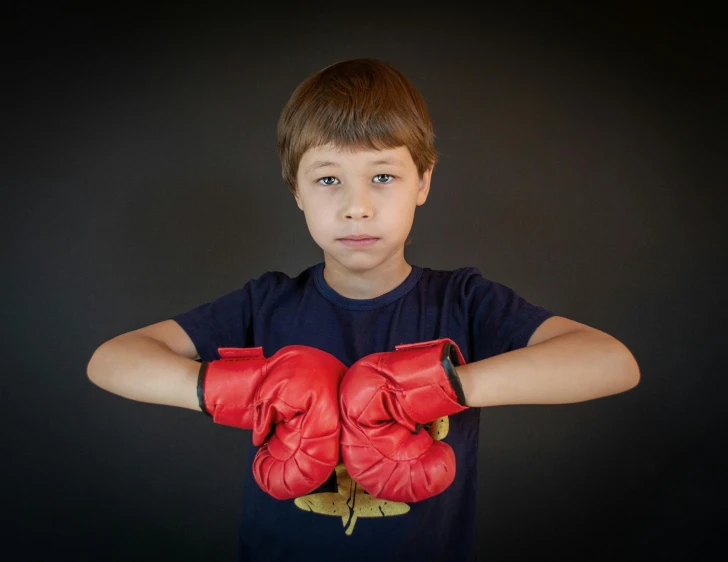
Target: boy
point(362, 377)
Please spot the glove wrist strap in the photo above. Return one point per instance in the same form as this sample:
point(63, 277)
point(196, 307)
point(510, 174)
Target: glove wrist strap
point(450, 358)
point(201, 388)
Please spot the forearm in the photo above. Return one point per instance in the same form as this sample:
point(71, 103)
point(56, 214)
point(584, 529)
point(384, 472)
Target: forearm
point(144, 369)
point(572, 367)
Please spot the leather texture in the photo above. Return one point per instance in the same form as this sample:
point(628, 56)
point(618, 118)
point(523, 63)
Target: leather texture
point(384, 400)
point(290, 402)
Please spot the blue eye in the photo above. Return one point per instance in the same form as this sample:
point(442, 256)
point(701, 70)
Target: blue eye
point(326, 178)
point(387, 175)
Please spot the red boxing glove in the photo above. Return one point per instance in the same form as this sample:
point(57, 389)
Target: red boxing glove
point(385, 399)
point(290, 401)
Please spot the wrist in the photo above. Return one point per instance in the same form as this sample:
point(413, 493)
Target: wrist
point(465, 381)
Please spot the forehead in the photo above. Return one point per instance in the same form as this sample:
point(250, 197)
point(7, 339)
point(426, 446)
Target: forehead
point(317, 157)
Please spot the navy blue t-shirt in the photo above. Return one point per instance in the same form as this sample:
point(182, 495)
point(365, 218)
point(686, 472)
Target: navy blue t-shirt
point(339, 519)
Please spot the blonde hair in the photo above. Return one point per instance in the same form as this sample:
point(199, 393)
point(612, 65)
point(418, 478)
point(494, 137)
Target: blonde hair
point(354, 105)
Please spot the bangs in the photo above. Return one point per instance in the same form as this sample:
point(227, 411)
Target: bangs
point(344, 132)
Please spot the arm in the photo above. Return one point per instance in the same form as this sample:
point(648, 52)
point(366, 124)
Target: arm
point(154, 364)
point(564, 362)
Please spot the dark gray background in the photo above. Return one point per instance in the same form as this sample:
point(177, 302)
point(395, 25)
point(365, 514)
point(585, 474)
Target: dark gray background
point(582, 164)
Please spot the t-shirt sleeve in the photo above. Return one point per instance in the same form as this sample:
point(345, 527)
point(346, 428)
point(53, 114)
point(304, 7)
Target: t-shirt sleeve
point(224, 322)
point(499, 319)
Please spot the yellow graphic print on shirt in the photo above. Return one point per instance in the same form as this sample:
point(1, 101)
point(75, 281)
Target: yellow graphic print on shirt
point(352, 501)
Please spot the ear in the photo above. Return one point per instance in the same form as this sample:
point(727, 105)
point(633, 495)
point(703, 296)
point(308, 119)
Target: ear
point(424, 189)
point(298, 200)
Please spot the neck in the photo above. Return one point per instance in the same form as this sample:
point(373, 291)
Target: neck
point(368, 283)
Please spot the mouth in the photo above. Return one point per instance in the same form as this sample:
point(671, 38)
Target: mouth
point(358, 242)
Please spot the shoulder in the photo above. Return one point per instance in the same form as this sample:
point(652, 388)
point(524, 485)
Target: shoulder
point(459, 276)
point(468, 285)
point(477, 289)
point(276, 279)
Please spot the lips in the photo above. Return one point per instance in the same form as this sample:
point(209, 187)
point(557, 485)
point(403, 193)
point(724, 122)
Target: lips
point(358, 241)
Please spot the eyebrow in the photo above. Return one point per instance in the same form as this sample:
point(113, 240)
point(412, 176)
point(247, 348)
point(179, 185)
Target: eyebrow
point(323, 163)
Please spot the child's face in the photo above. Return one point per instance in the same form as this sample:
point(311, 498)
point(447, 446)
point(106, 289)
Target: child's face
point(347, 193)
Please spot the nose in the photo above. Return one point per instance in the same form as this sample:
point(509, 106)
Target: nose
point(358, 202)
